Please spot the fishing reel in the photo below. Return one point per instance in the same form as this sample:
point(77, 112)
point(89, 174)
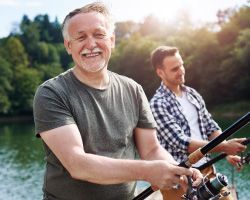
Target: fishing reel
point(209, 189)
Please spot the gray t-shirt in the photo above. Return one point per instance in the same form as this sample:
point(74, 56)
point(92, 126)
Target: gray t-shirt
point(106, 120)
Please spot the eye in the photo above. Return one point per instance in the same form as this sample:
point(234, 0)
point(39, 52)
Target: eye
point(100, 35)
point(80, 38)
point(175, 69)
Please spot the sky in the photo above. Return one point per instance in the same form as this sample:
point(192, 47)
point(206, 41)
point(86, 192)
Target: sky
point(200, 11)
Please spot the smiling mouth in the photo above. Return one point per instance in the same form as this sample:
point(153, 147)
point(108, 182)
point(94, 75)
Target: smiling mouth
point(90, 55)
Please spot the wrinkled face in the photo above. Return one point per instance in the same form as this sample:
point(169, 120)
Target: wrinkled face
point(90, 42)
point(172, 71)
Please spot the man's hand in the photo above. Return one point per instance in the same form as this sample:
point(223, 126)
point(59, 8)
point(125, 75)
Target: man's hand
point(235, 161)
point(196, 177)
point(233, 146)
point(164, 175)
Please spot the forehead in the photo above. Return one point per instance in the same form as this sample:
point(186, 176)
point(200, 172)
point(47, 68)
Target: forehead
point(173, 61)
point(84, 22)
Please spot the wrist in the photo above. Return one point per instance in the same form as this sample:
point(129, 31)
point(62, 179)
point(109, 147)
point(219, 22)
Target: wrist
point(145, 171)
point(221, 147)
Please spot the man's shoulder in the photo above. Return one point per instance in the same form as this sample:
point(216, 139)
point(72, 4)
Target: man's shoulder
point(160, 94)
point(158, 100)
point(59, 78)
point(191, 90)
point(55, 84)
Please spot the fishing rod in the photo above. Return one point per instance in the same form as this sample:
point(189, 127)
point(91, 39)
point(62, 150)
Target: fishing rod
point(200, 152)
point(219, 157)
point(211, 188)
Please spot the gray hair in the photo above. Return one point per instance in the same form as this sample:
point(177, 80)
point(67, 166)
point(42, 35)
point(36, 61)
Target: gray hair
point(92, 7)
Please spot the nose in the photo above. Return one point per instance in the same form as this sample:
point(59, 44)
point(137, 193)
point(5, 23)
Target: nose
point(90, 43)
point(181, 70)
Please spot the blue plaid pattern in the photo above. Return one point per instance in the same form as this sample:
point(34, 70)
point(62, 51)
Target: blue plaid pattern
point(173, 130)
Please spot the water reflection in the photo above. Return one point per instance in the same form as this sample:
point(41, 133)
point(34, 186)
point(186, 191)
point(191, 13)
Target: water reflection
point(21, 162)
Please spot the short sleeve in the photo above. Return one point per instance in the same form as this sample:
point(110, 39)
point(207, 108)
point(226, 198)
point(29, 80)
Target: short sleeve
point(50, 110)
point(146, 119)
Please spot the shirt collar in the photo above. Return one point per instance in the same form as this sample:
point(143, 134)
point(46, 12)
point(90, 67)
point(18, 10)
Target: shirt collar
point(165, 90)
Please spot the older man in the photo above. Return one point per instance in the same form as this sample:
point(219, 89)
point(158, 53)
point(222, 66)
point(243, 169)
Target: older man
point(93, 121)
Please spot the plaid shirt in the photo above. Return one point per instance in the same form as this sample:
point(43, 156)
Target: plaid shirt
point(173, 130)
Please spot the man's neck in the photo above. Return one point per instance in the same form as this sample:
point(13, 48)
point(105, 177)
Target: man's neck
point(98, 80)
point(176, 89)
point(178, 92)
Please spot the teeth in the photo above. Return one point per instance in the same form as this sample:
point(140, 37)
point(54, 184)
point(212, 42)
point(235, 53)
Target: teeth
point(95, 52)
point(91, 54)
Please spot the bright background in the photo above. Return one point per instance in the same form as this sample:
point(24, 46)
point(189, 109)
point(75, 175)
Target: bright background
point(200, 11)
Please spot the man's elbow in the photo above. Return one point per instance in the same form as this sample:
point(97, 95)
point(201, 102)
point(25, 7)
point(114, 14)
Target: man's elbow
point(75, 168)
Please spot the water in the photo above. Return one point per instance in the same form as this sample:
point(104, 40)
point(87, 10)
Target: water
point(22, 163)
point(240, 179)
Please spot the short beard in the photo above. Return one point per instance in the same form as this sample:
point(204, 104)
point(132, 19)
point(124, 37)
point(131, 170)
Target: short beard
point(99, 66)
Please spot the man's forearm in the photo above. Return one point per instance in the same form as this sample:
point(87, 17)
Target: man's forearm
point(214, 135)
point(195, 144)
point(105, 170)
point(159, 153)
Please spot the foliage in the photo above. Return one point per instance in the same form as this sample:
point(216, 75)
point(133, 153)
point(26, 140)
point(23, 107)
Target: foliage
point(136, 50)
point(25, 82)
point(216, 60)
point(5, 85)
point(26, 60)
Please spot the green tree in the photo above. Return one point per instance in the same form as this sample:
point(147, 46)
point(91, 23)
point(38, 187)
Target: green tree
point(46, 53)
point(132, 58)
point(14, 52)
point(26, 82)
point(5, 85)
point(241, 69)
point(30, 35)
point(124, 30)
point(65, 59)
point(203, 64)
point(238, 20)
point(50, 70)
point(234, 67)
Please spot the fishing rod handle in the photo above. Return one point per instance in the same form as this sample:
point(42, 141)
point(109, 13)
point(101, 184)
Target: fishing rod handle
point(192, 158)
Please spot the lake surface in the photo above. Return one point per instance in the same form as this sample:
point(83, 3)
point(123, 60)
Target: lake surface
point(22, 163)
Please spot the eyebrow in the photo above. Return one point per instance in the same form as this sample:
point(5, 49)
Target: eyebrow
point(96, 29)
point(177, 66)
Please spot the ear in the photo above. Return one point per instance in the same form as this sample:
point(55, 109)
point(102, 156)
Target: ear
point(67, 45)
point(159, 72)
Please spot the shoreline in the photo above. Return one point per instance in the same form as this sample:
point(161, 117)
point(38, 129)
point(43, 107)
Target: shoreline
point(227, 115)
point(29, 118)
point(228, 111)
point(18, 118)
